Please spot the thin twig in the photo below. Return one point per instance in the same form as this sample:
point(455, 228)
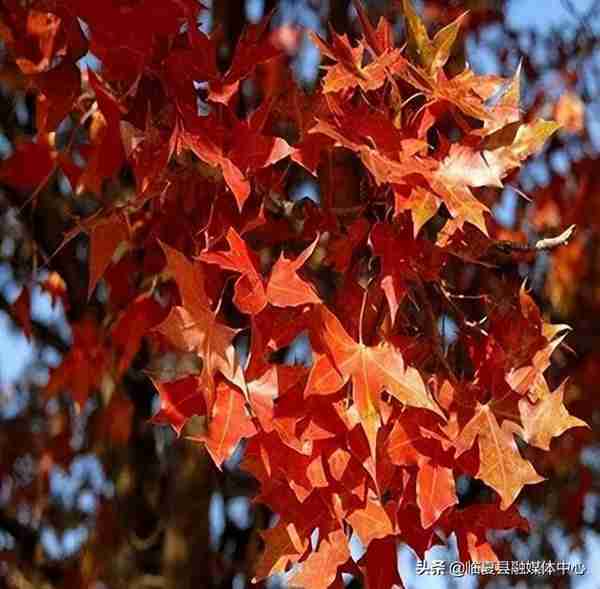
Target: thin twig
point(435, 334)
point(552, 242)
point(460, 314)
point(548, 243)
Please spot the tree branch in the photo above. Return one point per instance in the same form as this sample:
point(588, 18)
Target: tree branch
point(506, 252)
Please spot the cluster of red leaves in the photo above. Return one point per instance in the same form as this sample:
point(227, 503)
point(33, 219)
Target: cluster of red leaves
point(372, 436)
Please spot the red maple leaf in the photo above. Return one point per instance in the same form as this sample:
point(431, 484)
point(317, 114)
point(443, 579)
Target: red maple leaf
point(372, 369)
point(193, 325)
point(283, 288)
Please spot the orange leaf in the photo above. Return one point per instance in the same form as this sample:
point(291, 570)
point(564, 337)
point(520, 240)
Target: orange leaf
point(249, 296)
point(193, 327)
point(433, 53)
point(82, 368)
point(229, 423)
point(547, 418)
point(501, 466)
point(21, 309)
point(283, 546)
point(285, 288)
point(319, 570)
point(348, 71)
point(569, 112)
point(105, 238)
point(371, 522)
point(435, 491)
point(180, 400)
point(461, 169)
point(372, 369)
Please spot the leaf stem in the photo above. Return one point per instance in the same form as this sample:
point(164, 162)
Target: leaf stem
point(362, 316)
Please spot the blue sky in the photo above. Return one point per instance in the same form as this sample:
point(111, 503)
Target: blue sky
point(542, 15)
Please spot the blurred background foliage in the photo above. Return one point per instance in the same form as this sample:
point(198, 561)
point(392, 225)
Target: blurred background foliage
point(100, 497)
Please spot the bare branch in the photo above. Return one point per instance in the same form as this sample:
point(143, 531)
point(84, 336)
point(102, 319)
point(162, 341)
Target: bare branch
point(511, 250)
point(551, 242)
